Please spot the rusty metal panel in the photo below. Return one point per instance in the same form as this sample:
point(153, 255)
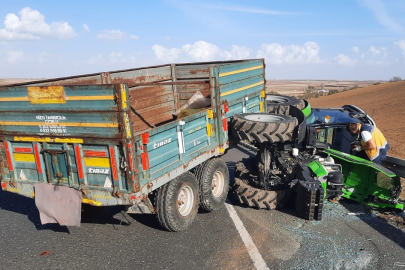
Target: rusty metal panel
point(144, 75)
point(89, 79)
point(192, 71)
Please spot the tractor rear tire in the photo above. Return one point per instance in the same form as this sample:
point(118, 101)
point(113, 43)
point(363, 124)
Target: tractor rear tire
point(245, 194)
point(279, 104)
point(253, 197)
point(260, 127)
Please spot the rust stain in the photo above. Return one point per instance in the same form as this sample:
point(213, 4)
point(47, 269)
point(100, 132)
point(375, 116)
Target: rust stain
point(196, 71)
point(86, 81)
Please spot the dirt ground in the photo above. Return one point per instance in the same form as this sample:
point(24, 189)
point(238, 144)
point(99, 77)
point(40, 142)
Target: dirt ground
point(297, 88)
point(384, 102)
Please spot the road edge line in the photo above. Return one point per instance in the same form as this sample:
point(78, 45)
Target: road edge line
point(254, 253)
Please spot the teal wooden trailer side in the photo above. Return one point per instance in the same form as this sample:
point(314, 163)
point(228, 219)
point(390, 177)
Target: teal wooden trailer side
point(114, 136)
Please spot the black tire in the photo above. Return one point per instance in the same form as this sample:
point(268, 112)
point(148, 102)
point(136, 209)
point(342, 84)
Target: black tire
point(253, 197)
point(212, 193)
point(169, 206)
point(260, 127)
point(279, 104)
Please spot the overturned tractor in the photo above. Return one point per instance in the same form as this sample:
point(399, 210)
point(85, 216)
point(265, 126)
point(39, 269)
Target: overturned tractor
point(290, 165)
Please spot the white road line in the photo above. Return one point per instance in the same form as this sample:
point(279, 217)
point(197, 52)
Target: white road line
point(254, 253)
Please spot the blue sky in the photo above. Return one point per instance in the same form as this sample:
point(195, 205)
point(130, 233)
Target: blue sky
point(354, 40)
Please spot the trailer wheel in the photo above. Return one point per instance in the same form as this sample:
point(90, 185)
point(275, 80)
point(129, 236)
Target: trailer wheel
point(281, 104)
point(177, 203)
point(213, 178)
point(260, 127)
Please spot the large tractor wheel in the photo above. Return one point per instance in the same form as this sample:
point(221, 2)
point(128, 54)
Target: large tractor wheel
point(250, 196)
point(279, 104)
point(260, 127)
point(213, 177)
point(177, 203)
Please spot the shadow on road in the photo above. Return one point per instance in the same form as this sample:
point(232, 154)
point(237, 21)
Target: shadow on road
point(114, 215)
point(384, 228)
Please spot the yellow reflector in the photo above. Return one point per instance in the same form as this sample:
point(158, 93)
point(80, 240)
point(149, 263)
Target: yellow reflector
point(261, 106)
point(92, 202)
point(19, 157)
point(123, 97)
point(221, 150)
point(97, 162)
point(263, 93)
point(33, 139)
point(209, 132)
point(46, 94)
point(210, 114)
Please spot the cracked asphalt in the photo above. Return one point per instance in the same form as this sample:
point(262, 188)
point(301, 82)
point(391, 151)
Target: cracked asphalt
point(114, 239)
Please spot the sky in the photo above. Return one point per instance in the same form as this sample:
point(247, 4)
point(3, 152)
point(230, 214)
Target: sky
point(328, 40)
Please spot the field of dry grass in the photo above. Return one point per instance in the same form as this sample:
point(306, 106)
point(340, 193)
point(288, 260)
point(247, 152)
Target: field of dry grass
point(384, 102)
point(297, 88)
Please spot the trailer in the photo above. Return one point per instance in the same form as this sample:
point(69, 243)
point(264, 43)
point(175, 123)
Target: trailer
point(111, 138)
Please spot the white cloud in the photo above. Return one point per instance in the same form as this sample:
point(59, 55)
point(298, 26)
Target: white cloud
point(345, 60)
point(236, 52)
point(14, 56)
point(165, 54)
point(201, 51)
point(31, 25)
point(382, 16)
point(401, 45)
point(355, 49)
point(378, 63)
point(111, 34)
point(362, 55)
point(245, 9)
point(134, 37)
point(374, 51)
point(290, 54)
point(86, 28)
point(112, 59)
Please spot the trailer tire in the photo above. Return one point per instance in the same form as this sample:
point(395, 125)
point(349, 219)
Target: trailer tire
point(279, 104)
point(260, 127)
point(177, 203)
point(213, 178)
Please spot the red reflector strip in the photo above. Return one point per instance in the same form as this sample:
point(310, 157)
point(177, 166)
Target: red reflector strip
point(145, 161)
point(90, 153)
point(225, 124)
point(113, 164)
point(226, 108)
point(37, 159)
point(22, 150)
point(79, 162)
point(10, 163)
point(145, 138)
point(3, 185)
point(131, 160)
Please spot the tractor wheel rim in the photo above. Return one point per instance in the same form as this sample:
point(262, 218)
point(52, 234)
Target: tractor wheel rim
point(261, 117)
point(218, 182)
point(276, 99)
point(185, 200)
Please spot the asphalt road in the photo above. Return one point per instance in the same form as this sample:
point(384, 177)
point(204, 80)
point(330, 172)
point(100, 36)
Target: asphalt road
point(116, 240)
